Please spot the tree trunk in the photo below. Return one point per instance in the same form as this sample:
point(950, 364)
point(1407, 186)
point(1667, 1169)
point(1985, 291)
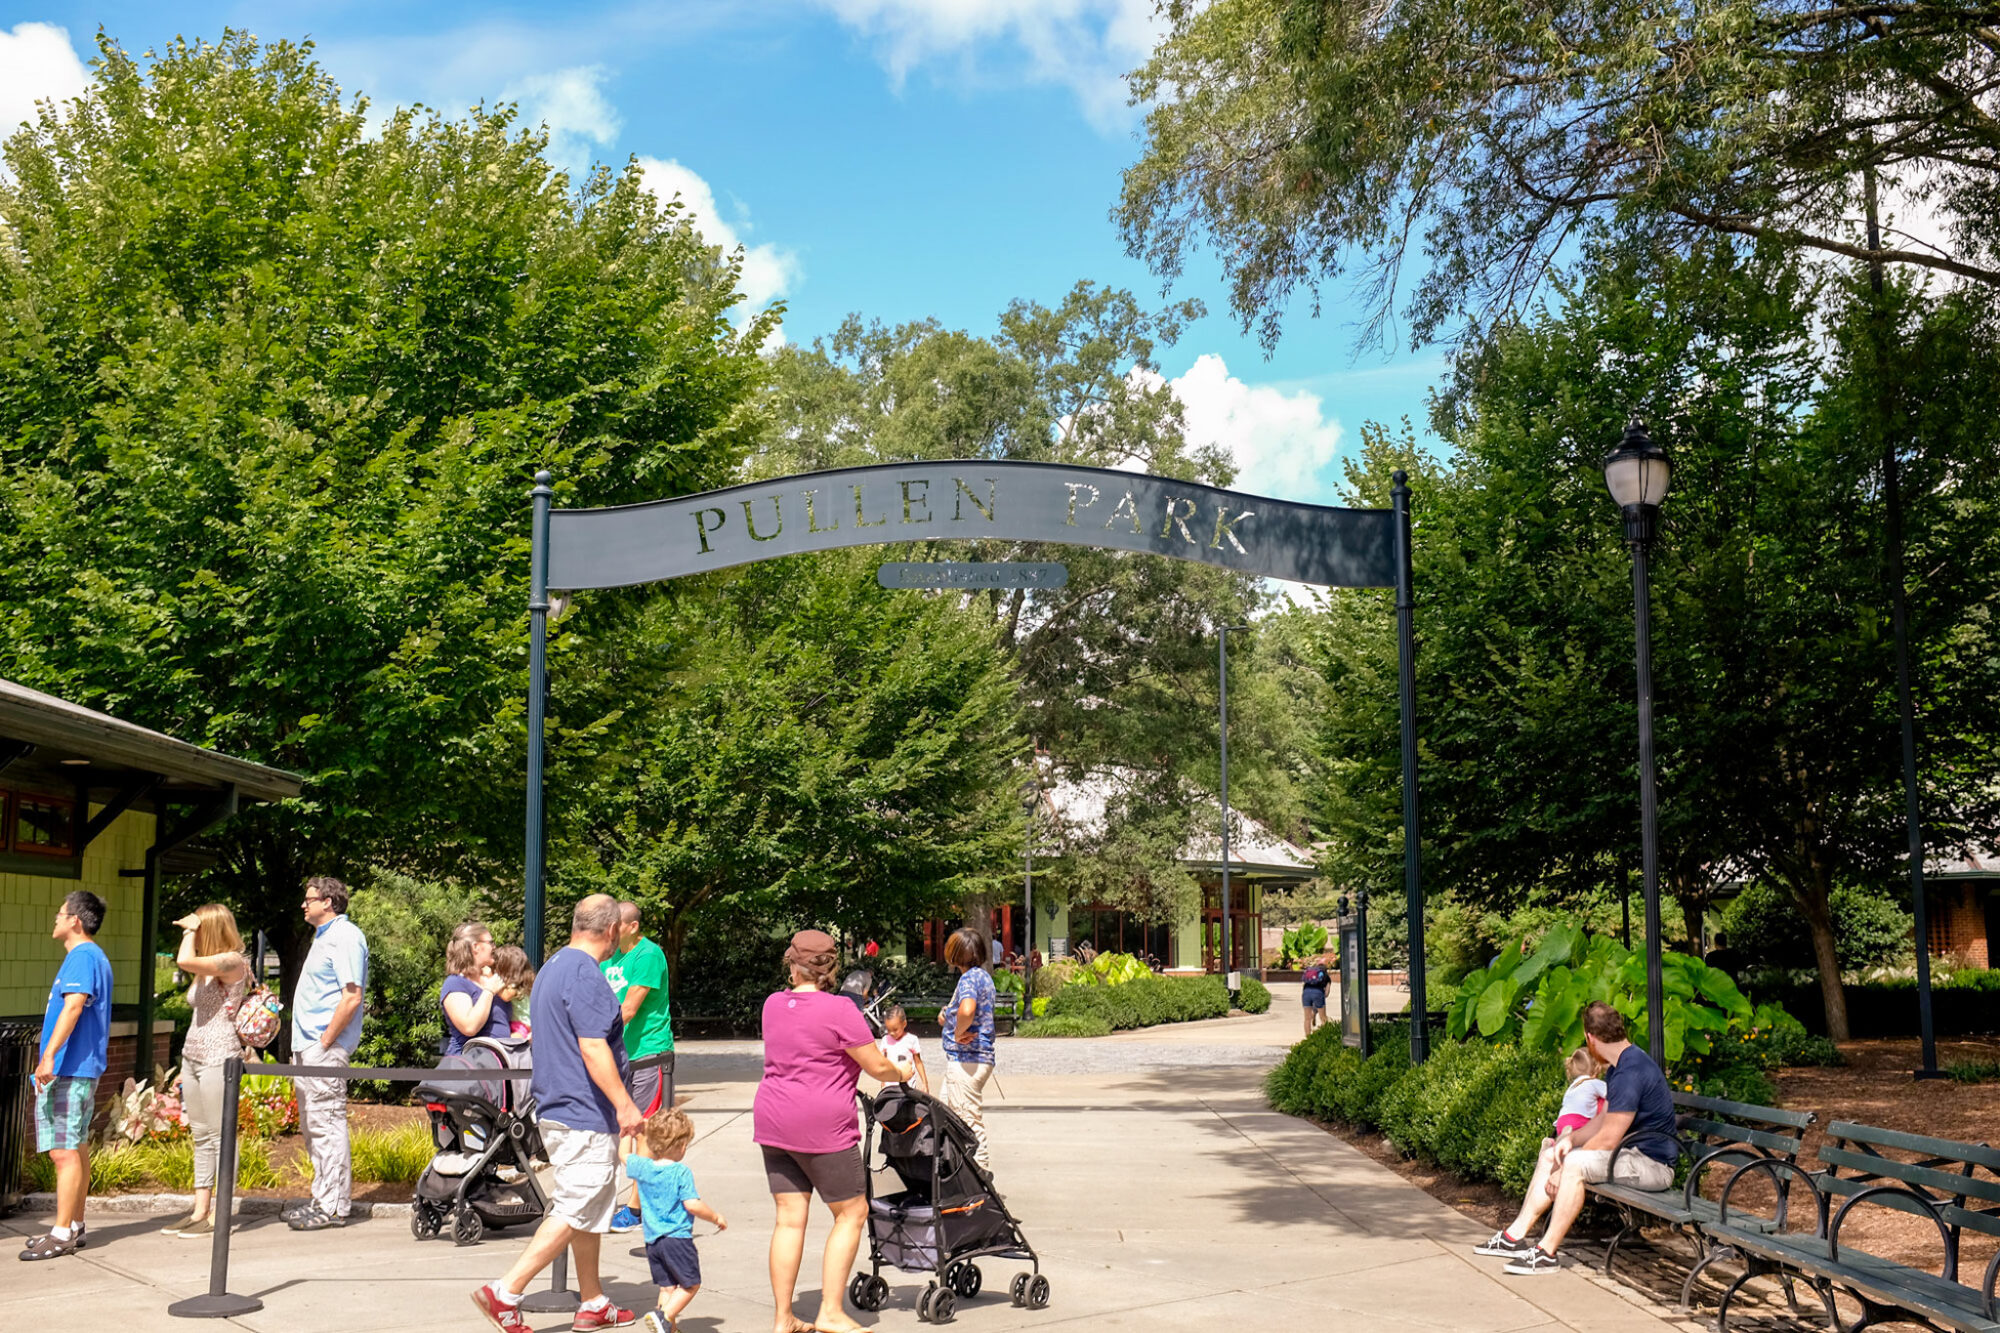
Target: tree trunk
point(1814, 906)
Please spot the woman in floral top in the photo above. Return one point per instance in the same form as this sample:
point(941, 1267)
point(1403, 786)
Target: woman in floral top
point(968, 1037)
point(212, 953)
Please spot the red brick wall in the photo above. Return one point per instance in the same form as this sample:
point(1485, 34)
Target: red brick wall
point(1958, 924)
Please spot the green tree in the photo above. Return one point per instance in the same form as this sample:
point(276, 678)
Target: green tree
point(272, 390)
point(788, 744)
point(1117, 670)
point(1308, 140)
point(1776, 722)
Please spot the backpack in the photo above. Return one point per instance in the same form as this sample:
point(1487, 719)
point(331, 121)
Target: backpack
point(1316, 976)
point(257, 1017)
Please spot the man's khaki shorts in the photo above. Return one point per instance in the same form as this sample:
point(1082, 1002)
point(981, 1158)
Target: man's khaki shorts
point(1634, 1168)
point(584, 1176)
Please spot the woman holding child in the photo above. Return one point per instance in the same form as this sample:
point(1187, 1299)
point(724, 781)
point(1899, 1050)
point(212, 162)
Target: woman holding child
point(816, 1047)
point(471, 995)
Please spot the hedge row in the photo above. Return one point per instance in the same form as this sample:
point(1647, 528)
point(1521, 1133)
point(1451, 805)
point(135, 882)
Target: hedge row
point(1256, 997)
point(1143, 1003)
point(1476, 1109)
point(1889, 1008)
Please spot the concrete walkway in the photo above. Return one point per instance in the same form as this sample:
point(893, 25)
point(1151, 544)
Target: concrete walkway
point(1167, 1196)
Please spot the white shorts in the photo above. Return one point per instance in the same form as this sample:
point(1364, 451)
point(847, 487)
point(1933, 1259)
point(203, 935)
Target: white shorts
point(1634, 1168)
point(584, 1167)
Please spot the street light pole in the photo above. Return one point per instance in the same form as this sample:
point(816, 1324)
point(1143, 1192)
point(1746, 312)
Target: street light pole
point(1638, 475)
point(1222, 695)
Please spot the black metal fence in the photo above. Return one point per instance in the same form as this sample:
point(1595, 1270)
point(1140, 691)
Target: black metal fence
point(19, 1043)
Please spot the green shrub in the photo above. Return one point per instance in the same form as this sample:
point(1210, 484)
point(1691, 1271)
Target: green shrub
point(1070, 1026)
point(1144, 1002)
point(1052, 977)
point(1973, 1071)
point(397, 1154)
point(1870, 927)
point(1256, 996)
point(1300, 942)
point(1476, 1108)
point(1736, 1083)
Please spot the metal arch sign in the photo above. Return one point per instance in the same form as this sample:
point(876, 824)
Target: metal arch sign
point(971, 501)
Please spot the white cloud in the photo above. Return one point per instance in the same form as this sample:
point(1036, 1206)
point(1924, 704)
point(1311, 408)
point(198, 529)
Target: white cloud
point(769, 271)
point(37, 63)
point(1284, 444)
point(1084, 45)
point(571, 104)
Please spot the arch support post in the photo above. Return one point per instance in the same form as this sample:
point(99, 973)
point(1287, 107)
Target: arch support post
point(1406, 655)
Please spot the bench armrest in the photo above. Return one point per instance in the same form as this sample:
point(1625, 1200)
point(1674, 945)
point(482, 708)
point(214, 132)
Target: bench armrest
point(1702, 1162)
point(1781, 1170)
point(1928, 1208)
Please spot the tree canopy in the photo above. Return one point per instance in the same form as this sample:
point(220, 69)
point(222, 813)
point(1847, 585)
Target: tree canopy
point(1310, 140)
point(1777, 732)
point(273, 387)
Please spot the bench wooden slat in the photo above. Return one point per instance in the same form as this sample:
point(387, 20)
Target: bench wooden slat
point(1954, 1216)
point(1949, 1183)
point(1770, 1115)
point(1979, 1153)
point(1901, 1203)
point(1783, 1144)
point(1882, 1280)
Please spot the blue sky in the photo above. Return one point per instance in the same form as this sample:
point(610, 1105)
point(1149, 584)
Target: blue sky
point(899, 158)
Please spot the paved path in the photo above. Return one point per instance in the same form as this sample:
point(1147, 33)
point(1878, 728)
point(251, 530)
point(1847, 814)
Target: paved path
point(1157, 1196)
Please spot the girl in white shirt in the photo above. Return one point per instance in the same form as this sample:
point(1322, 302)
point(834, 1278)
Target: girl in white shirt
point(1584, 1101)
point(901, 1046)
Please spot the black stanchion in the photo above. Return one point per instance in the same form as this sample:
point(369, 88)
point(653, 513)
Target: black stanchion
point(219, 1302)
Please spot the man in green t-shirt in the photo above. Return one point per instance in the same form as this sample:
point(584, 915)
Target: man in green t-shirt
point(637, 971)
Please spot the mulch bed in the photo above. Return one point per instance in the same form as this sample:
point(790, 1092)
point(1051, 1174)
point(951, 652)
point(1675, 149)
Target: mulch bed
point(1874, 1087)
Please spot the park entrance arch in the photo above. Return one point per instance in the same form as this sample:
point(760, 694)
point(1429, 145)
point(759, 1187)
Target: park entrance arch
point(974, 499)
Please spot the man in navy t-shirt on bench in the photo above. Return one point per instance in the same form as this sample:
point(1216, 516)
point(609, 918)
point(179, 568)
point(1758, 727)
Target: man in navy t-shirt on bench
point(1638, 1116)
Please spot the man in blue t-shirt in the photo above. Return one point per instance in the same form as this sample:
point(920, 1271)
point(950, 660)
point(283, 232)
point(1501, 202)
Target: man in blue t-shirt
point(583, 1109)
point(76, 1045)
point(1638, 1118)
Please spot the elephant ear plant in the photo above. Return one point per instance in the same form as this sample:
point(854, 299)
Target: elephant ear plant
point(1536, 1000)
point(1300, 942)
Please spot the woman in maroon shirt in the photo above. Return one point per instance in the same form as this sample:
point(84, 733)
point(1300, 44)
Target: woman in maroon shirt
point(816, 1047)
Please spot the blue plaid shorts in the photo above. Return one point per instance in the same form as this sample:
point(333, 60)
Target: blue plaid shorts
point(63, 1112)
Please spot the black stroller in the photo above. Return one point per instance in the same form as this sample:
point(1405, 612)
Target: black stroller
point(483, 1174)
point(945, 1214)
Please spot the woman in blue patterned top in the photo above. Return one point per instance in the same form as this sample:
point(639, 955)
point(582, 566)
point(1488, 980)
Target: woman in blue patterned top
point(968, 1036)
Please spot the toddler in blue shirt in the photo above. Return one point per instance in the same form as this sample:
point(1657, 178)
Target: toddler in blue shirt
point(668, 1206)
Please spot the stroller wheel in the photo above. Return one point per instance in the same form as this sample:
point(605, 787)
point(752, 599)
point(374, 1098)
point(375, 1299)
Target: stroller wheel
point(866, 1291)
point(425, 1221)
point(1038, 1293)
point(1018, 1288)
point(466, 1228)
point(967, 1280)
point(943, 1305)
point(924, 1301)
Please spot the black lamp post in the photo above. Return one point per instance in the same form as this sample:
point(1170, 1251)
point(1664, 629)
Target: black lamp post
point(1638, 474)
point(1222, 700)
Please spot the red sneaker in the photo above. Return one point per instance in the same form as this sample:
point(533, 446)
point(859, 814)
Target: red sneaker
point(506, 1318)
point(605, 1316)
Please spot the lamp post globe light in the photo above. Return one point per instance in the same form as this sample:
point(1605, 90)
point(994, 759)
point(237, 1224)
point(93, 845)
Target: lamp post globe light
point(1638, 475)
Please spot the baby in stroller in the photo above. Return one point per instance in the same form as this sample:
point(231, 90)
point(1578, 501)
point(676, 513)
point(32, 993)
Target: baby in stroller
point(482, 1174)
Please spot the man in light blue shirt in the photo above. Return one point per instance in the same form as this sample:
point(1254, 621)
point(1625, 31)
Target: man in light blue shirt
point(326, 1027)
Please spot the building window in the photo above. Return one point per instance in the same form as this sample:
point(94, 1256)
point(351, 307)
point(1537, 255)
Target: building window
point(42, 825)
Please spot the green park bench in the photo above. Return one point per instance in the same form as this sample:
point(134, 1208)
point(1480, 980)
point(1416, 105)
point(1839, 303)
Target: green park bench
point(1714, 1135)
point(1006, 1008)
point(1943, 1183)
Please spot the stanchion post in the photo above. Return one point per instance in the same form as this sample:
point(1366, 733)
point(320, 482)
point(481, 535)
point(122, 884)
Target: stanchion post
point(219, 1302)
